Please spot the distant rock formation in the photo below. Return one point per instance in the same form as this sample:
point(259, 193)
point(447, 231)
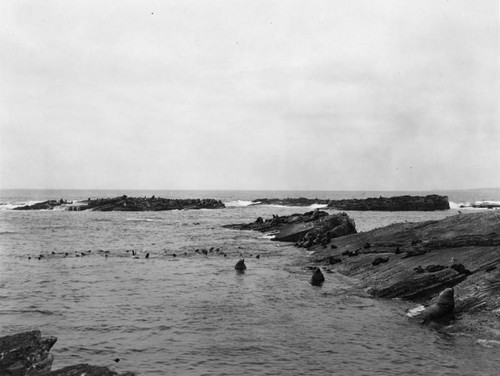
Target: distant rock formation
point(125, 203)
point(314, 227)
point(27, 353)
point(398, 203)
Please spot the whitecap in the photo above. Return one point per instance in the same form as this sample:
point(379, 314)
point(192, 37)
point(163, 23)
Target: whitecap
point(413, 312)
point(239, 203)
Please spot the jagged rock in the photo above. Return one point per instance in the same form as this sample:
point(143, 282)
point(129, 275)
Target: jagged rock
point(125, 203)
point(309, 228)
point(473, 238)
point(398, 203)
point(27, 354)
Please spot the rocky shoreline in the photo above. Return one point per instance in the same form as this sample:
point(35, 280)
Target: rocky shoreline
point(416, 261)
point(315, 227)
point(397, 203)
point(27, 354)
point(125, 203)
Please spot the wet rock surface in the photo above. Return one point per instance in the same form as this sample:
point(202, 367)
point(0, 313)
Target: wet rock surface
point(398, 203)
point(27, 354)
point(416, 261)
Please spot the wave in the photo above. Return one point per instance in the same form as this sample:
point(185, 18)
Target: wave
point(13, 205)
point(239, 203)
point(484, 204)
point(143, 220)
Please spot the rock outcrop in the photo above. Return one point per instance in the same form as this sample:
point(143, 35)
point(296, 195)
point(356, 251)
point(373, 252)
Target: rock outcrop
point(398, 203)
point(314, 227)
point(125, 203)
point(418, 260)
point(27, 354)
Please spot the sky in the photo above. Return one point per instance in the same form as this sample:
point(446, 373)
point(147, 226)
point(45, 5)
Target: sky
point(285, 95)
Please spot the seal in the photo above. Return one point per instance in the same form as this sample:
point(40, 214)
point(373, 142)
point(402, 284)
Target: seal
point(240, 265)
point(443, 310)
point(317, 278)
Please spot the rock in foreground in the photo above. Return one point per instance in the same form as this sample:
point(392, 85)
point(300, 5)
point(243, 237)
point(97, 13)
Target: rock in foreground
point(315, 227)
point(27, 354)
point(418, 260)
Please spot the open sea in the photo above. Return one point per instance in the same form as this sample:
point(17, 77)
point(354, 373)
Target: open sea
point(185, 313)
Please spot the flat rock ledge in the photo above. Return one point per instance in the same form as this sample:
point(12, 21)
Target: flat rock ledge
point(27, 354)
point(415, 261)
point(398, 203)
point(314, 227)
point(125, 203)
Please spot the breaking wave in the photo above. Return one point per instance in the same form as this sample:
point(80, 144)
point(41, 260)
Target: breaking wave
point(239, 203)
point(486, 204)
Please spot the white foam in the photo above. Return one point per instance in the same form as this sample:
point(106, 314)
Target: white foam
point(477, 205)
point(415, 311)
point(13, 205)
point(318, 206)
point(238, 203)
point(489, 343)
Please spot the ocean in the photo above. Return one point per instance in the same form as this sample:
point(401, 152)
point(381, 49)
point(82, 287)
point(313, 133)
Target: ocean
point(181, 312)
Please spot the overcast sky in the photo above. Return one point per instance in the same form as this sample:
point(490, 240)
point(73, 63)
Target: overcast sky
point(306, 95)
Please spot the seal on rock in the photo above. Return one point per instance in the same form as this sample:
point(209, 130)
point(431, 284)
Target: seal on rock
point(240, 265)
point(443, 310)
point(317, 278)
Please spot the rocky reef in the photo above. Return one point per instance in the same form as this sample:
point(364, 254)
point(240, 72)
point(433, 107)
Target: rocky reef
point(27, 354)
point(416, 261)
point(125, 203)
point(314, 227)
point(398, 203)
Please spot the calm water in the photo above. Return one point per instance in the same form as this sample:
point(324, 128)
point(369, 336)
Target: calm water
point(194, 314)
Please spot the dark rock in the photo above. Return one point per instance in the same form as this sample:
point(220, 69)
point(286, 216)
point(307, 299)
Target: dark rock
point(460, 269)
point(87, 370)
point(27, 354)
point(399, 203)
point(26, 351)
point(419, 269)
point(306, 231)
point(434, 268)
point(473, 238)
point(380, 260)
point(124, 203)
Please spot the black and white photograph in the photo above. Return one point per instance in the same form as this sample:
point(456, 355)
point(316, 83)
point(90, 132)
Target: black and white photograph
point(249, 187)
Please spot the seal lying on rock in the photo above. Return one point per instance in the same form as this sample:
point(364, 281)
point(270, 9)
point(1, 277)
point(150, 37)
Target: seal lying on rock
point(317, 278)
point(443, 310)
point(240, 265)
